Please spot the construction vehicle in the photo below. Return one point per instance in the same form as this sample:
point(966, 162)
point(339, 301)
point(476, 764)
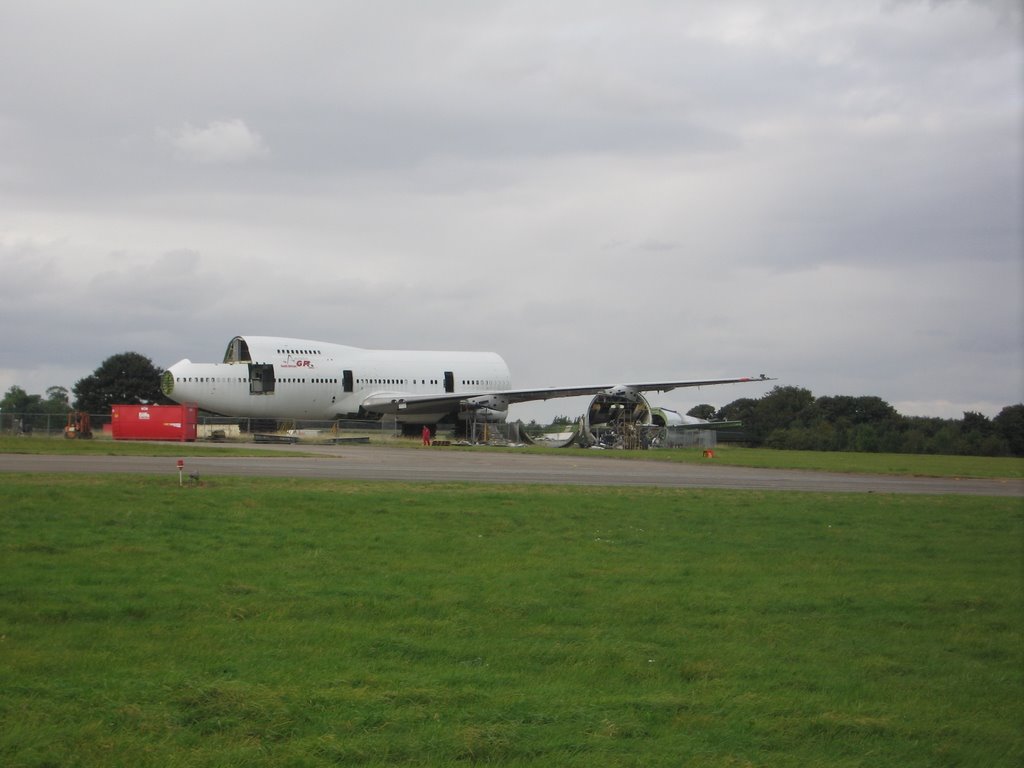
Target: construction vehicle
point(79, 426)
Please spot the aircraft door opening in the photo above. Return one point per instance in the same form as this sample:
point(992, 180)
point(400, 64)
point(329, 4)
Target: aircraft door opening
point(261, 379)
point(346, 381)
point(449, 382)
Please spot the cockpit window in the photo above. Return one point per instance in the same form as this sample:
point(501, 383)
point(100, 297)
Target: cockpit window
point(237, 351)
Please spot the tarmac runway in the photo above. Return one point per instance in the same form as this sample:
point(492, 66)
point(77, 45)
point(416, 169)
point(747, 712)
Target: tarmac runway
point(442, 465)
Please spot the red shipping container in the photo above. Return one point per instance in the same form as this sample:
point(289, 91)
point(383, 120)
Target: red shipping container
point(154, 422)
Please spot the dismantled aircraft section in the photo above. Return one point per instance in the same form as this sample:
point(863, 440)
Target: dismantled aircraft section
point(623, 418)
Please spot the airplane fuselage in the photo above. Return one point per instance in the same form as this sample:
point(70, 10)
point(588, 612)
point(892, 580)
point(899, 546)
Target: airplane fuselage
point(270, 377)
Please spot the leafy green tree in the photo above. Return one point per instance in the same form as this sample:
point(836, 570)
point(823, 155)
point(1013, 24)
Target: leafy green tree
point(865, 438)
point(702, 411)
point(791, 418)
point(14, 407)
point(782, 408)
point(59, 395)
point(977, 422)
point(742, 410)
point(738, 410)
point(128, 378)
point(32, 410)
point(57, 401)
point(17, 400)
point(1009, 425)
point(978, 436)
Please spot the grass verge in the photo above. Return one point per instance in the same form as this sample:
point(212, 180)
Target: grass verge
point(257, 622)
point(108, 447)
point(920, 465)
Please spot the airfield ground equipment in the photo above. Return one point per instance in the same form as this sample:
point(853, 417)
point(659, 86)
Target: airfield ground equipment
point(79, 426)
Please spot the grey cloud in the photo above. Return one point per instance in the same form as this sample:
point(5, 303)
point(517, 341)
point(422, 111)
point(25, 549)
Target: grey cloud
point(829, 192)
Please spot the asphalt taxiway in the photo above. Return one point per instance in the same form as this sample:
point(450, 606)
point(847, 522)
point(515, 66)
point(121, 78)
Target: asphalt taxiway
point(378, 463)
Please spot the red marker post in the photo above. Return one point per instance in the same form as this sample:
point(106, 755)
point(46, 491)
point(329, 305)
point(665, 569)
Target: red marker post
point(181, 468)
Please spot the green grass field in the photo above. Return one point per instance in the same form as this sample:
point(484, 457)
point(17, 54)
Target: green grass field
point(921, 465)
point(106, 447)
point(299, 623)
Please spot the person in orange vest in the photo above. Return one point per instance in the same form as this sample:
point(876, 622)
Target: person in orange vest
point(426, 435)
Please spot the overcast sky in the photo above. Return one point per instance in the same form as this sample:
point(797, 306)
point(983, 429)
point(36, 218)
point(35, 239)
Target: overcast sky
point(829, 192)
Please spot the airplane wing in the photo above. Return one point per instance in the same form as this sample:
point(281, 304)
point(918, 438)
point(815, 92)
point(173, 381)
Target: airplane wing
point(398, 403)
point(525, 395)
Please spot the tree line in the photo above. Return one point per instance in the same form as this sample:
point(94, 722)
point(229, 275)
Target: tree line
point(793, 418)
point(786, 418)
point(127, 378)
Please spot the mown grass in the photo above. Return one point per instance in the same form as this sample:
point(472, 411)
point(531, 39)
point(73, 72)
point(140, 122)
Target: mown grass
point(874, 463)
point(920, 465)
point(255, 622)
point(104, 446)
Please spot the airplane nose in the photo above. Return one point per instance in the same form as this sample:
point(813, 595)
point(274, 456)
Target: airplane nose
point(167, 383)
point(169, 377)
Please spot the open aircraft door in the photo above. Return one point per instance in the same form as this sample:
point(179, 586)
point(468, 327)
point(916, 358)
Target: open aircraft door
point(261, 379)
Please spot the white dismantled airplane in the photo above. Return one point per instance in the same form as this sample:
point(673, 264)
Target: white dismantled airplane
point(280, 378)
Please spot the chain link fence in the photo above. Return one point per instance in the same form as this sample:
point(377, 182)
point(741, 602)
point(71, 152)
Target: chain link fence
point(42, 424)
point(221, 428)
point(208, 428)
point(228, 429)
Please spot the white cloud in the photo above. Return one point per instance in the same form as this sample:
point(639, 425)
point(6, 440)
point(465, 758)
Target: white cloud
point(221, 142)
